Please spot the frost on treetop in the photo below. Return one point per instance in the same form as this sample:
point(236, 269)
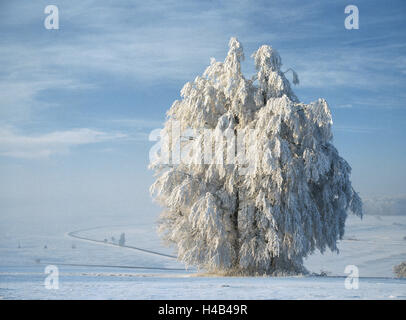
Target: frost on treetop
point(248, 177)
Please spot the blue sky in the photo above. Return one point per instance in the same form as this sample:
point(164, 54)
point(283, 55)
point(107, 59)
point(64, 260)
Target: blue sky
point(77, 104)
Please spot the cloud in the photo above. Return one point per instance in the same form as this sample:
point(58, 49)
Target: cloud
point(162, 41)
point(365, 68)
point(139, 123)
point(343, 106)
point(17, 145)
point(19, 97)
point(135, 42)
point(354, 129)
point(381, 205)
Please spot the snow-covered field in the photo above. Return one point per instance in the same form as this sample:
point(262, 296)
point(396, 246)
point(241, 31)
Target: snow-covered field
point(95, 270)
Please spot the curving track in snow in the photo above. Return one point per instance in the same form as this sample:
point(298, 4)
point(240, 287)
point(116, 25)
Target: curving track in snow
point(75, 234)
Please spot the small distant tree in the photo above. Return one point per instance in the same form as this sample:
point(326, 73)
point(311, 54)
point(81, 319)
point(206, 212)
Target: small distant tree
point(400, 270)
point(248, 175)
point(121, 241)
point(113, 239)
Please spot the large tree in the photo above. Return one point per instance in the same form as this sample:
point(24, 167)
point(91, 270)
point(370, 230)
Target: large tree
point(248, 175)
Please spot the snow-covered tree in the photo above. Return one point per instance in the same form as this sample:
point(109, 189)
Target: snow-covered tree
point(121, 241)
point(248, 175)
point(400, 270)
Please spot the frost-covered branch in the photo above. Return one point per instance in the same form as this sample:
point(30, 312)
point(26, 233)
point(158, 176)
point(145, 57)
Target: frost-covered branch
point(247, 174)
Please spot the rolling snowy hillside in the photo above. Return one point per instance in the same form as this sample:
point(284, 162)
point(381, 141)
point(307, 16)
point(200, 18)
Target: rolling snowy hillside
point(98, 270)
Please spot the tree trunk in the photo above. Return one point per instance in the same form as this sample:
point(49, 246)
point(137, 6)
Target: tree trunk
point(236, 243)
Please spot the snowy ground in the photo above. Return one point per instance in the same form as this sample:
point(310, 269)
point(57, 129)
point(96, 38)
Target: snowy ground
point(95, 270)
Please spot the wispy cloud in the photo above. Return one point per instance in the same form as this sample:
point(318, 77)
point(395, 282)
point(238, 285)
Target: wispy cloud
point(343, 106)
point(135, 42)
point(17, 145)
point(162, 41)
point(354, 129)
point(349, 67)
point(139, 123)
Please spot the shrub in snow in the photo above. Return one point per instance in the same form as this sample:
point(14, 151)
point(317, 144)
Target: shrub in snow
point(400, 270)
point(121, 241)
point(248, 175)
